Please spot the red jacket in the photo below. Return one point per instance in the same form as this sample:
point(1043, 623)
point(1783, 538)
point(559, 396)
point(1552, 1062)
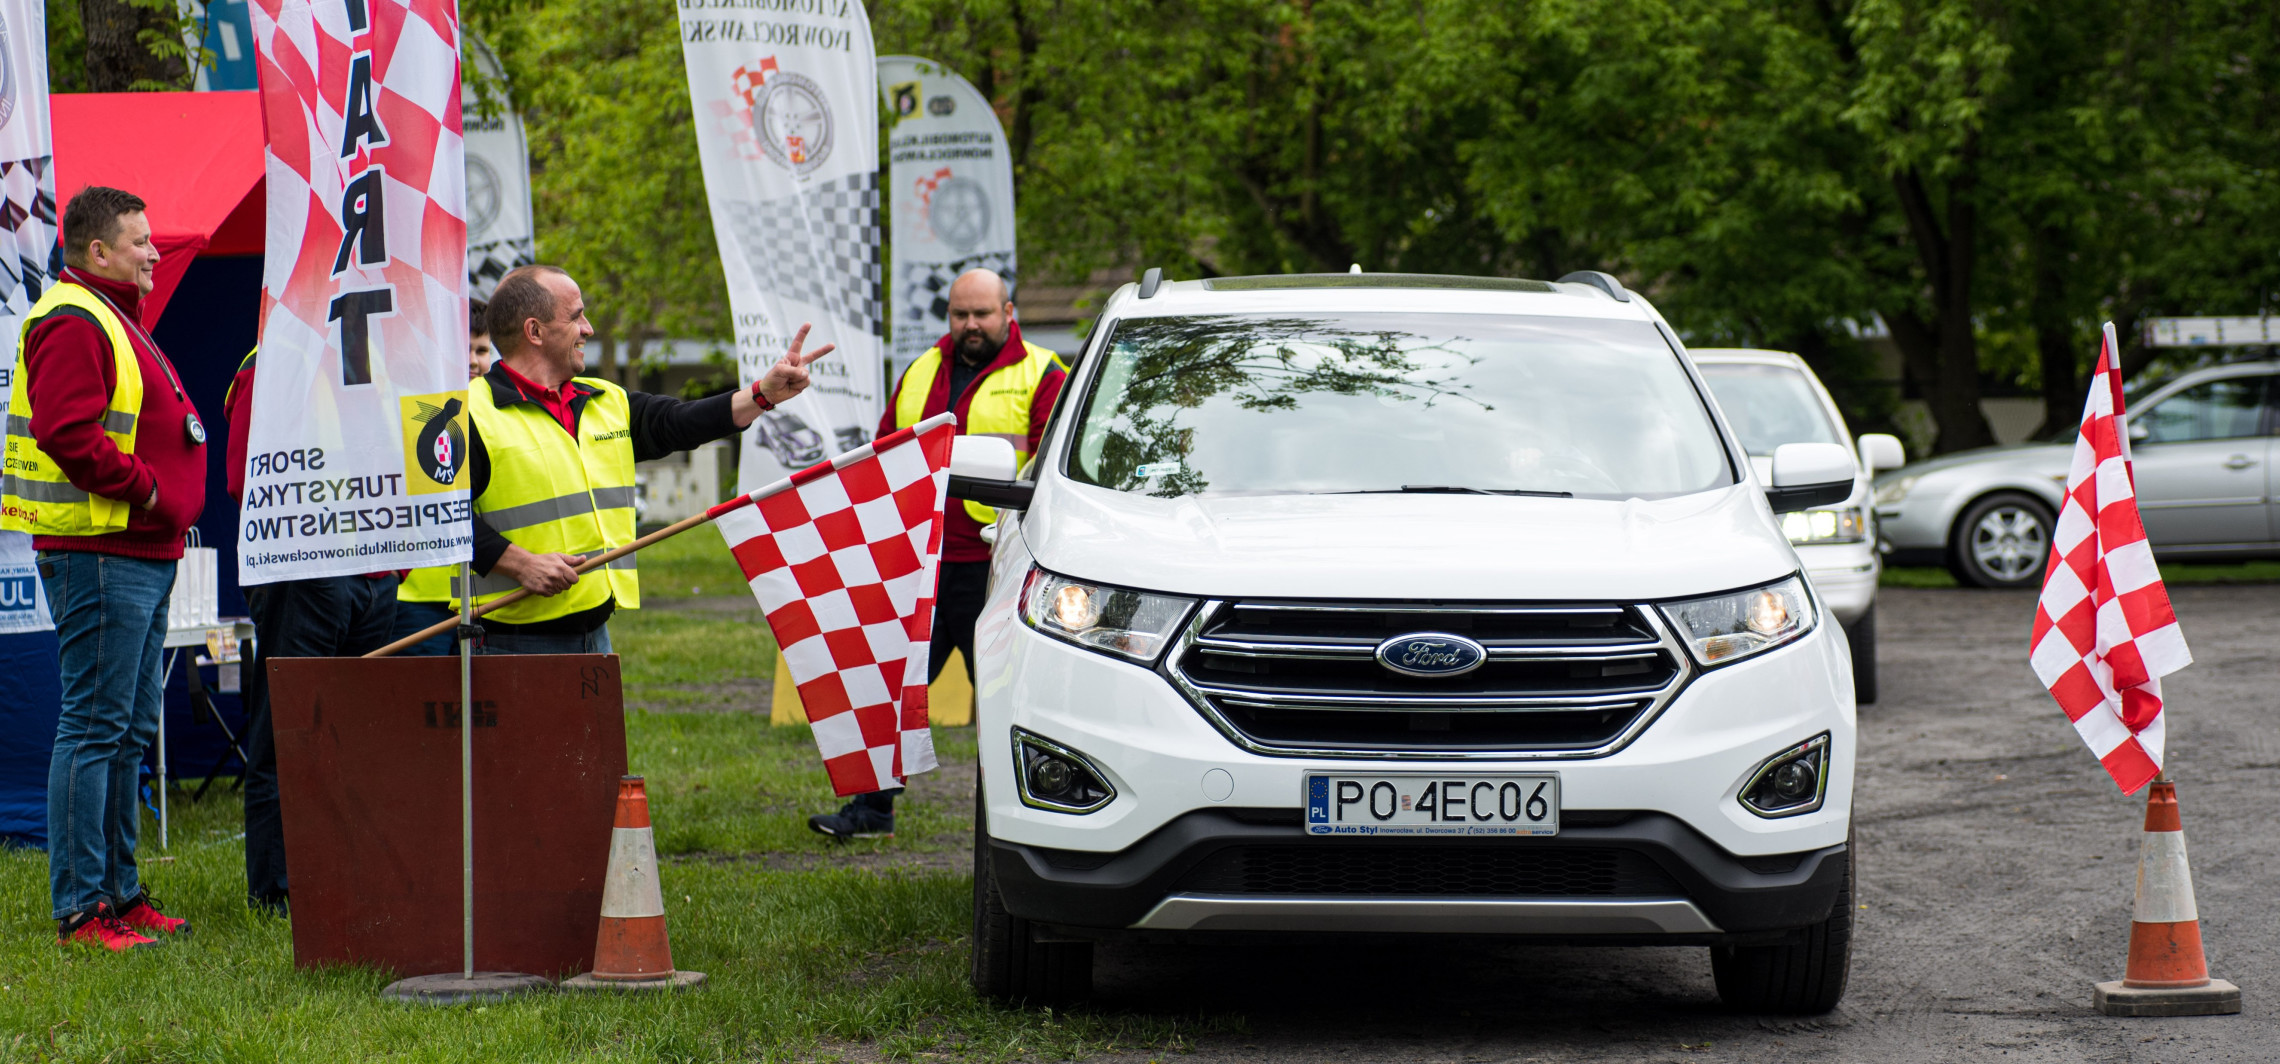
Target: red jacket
point(68, 369)
point(961, 534)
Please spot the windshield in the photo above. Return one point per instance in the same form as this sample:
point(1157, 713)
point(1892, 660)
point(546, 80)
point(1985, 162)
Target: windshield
point(1769, 406)
point(1226, 405)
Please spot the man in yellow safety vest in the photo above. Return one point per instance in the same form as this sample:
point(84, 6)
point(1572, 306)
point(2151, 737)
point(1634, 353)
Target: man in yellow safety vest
point(106, 468)
point(999, 385)
point(550, 462)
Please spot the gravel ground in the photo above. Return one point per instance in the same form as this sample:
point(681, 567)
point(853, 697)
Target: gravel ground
point(1996, 864)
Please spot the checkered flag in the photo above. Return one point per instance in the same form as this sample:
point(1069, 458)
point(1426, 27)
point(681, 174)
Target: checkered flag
point(2104, 632)
point(842, 557)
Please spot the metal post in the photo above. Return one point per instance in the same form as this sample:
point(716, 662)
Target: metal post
point(467, 766)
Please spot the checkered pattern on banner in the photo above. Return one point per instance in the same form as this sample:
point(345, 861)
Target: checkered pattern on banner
point(842, 557)
point(828, 232)
point(2104, 632)
point(488, 263)
point(305, 51)
point(27, 232)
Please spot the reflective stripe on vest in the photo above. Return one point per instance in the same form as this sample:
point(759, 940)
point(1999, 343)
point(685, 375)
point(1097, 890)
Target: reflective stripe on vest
point(35, 495)
point(1000, 407)
point(550, 494)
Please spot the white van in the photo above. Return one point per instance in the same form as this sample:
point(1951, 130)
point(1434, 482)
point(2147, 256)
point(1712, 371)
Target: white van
point(1372, 604)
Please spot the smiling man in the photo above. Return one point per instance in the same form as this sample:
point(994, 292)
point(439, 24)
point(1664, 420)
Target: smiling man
point(551, 458)
point(106, 468)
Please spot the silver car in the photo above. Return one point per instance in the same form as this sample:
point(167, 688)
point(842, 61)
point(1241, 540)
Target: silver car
point(2205, 452)
point(1772, 398)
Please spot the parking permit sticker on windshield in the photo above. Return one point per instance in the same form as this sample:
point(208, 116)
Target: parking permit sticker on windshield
point(1157, 469)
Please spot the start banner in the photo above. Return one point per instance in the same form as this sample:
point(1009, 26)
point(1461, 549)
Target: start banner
point(27, 235)
point(950, 179)
point(786, 103)
point(359, 429)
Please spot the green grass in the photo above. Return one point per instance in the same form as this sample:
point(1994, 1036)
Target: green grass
point(700, 641)
point(2173, 573)
point(808, 956)
point(814, 951)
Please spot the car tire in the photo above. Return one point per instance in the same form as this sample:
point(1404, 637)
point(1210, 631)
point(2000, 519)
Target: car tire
point(1861, 636)
point(1805, 977)
point(1010, 964)
point(2002, 541)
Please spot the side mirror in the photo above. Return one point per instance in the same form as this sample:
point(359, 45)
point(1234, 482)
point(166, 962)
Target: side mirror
point(1806, 475)
point(2140, 432)
point(1880, 451)
point(982, 470)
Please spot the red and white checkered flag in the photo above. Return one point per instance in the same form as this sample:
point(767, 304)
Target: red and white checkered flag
point(842, 557)
point(2104, 632)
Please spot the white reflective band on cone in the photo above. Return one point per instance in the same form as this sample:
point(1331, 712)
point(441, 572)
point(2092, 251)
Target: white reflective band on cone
point(2165, 887)
point(631, 890)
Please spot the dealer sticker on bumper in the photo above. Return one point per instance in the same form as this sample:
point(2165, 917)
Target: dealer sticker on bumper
point(1442, 803)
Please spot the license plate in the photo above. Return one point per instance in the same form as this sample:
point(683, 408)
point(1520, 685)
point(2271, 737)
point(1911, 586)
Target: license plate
point(1432, 803)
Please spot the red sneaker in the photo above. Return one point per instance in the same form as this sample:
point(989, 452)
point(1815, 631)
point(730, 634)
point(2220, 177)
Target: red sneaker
point(98, 927)
point(142, 914)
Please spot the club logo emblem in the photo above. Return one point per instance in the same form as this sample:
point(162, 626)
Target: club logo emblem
point(792, 122)
point(1434, 654)
point(483, 196)
point(435, 441)
point(959, 213)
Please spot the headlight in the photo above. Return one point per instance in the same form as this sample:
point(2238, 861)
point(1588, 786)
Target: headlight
point(1735, 625)
point(1132, 624)
point(1848, 525)
point(1894, 491)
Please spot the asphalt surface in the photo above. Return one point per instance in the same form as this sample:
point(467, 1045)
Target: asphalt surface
point(1997, 864)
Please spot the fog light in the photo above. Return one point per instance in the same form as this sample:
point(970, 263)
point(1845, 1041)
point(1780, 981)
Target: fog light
point(1051, 776)
point(1791, 782)
point(1794, 781)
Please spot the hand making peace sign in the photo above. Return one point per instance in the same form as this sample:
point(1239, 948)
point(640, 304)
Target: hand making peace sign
point(789, 376)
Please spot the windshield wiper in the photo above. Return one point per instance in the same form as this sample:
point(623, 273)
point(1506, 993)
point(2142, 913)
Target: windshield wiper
point(1453, 489)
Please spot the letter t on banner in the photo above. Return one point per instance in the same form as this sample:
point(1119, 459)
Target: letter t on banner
point(364, 293)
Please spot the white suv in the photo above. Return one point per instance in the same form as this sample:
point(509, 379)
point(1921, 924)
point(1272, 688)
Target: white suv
point(1369, 603)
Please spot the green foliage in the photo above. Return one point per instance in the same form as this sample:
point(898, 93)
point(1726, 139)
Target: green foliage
point(66, 47)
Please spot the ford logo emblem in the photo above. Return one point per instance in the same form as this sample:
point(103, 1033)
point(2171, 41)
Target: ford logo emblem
point(1431, 654)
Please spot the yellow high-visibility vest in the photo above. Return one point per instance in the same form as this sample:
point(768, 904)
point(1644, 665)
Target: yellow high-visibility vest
point(551, 494)
point(35, 495)
point(1000, 407)
point(431, 584)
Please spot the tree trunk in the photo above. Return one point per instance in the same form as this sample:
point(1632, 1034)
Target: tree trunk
point(1943, 355)
point(2054, 334)
point(116, 58)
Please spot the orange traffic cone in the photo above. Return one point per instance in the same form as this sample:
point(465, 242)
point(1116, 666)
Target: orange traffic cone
point(631, 952)
point(2167, 974)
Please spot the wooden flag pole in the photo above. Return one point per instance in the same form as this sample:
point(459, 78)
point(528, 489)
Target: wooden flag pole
point(519, 594)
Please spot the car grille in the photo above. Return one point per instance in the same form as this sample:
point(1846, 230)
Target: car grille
point(1469, 871)
point(1303, 677)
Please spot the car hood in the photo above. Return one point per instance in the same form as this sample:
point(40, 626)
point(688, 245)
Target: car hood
point(1409, 546)
point(2037, 456)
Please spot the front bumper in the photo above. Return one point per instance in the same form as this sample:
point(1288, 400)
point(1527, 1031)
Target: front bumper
point(1642, 876)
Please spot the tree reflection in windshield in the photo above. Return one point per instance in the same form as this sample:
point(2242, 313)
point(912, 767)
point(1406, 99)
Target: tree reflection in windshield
point(1262, 364)
point(1231, 404)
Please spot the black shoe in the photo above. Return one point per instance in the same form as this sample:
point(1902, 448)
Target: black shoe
point(855, 820)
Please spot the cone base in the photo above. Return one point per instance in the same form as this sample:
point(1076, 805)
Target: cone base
point(454, 988)
point(2219, 998)
point(676, 981)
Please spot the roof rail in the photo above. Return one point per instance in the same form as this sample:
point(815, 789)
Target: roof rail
point(1150, 281)
point(1604, 282)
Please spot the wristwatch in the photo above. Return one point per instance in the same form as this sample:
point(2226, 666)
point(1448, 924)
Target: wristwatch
point(765, 405)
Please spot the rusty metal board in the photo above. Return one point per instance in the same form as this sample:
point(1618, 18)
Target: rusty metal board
point(368, 754)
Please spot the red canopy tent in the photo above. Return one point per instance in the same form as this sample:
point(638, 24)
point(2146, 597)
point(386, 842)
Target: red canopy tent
point(194, 157)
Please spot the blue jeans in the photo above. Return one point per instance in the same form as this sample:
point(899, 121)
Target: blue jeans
point(415, 617)
point(502, 641)
point(110, 618)
point(322, 617)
